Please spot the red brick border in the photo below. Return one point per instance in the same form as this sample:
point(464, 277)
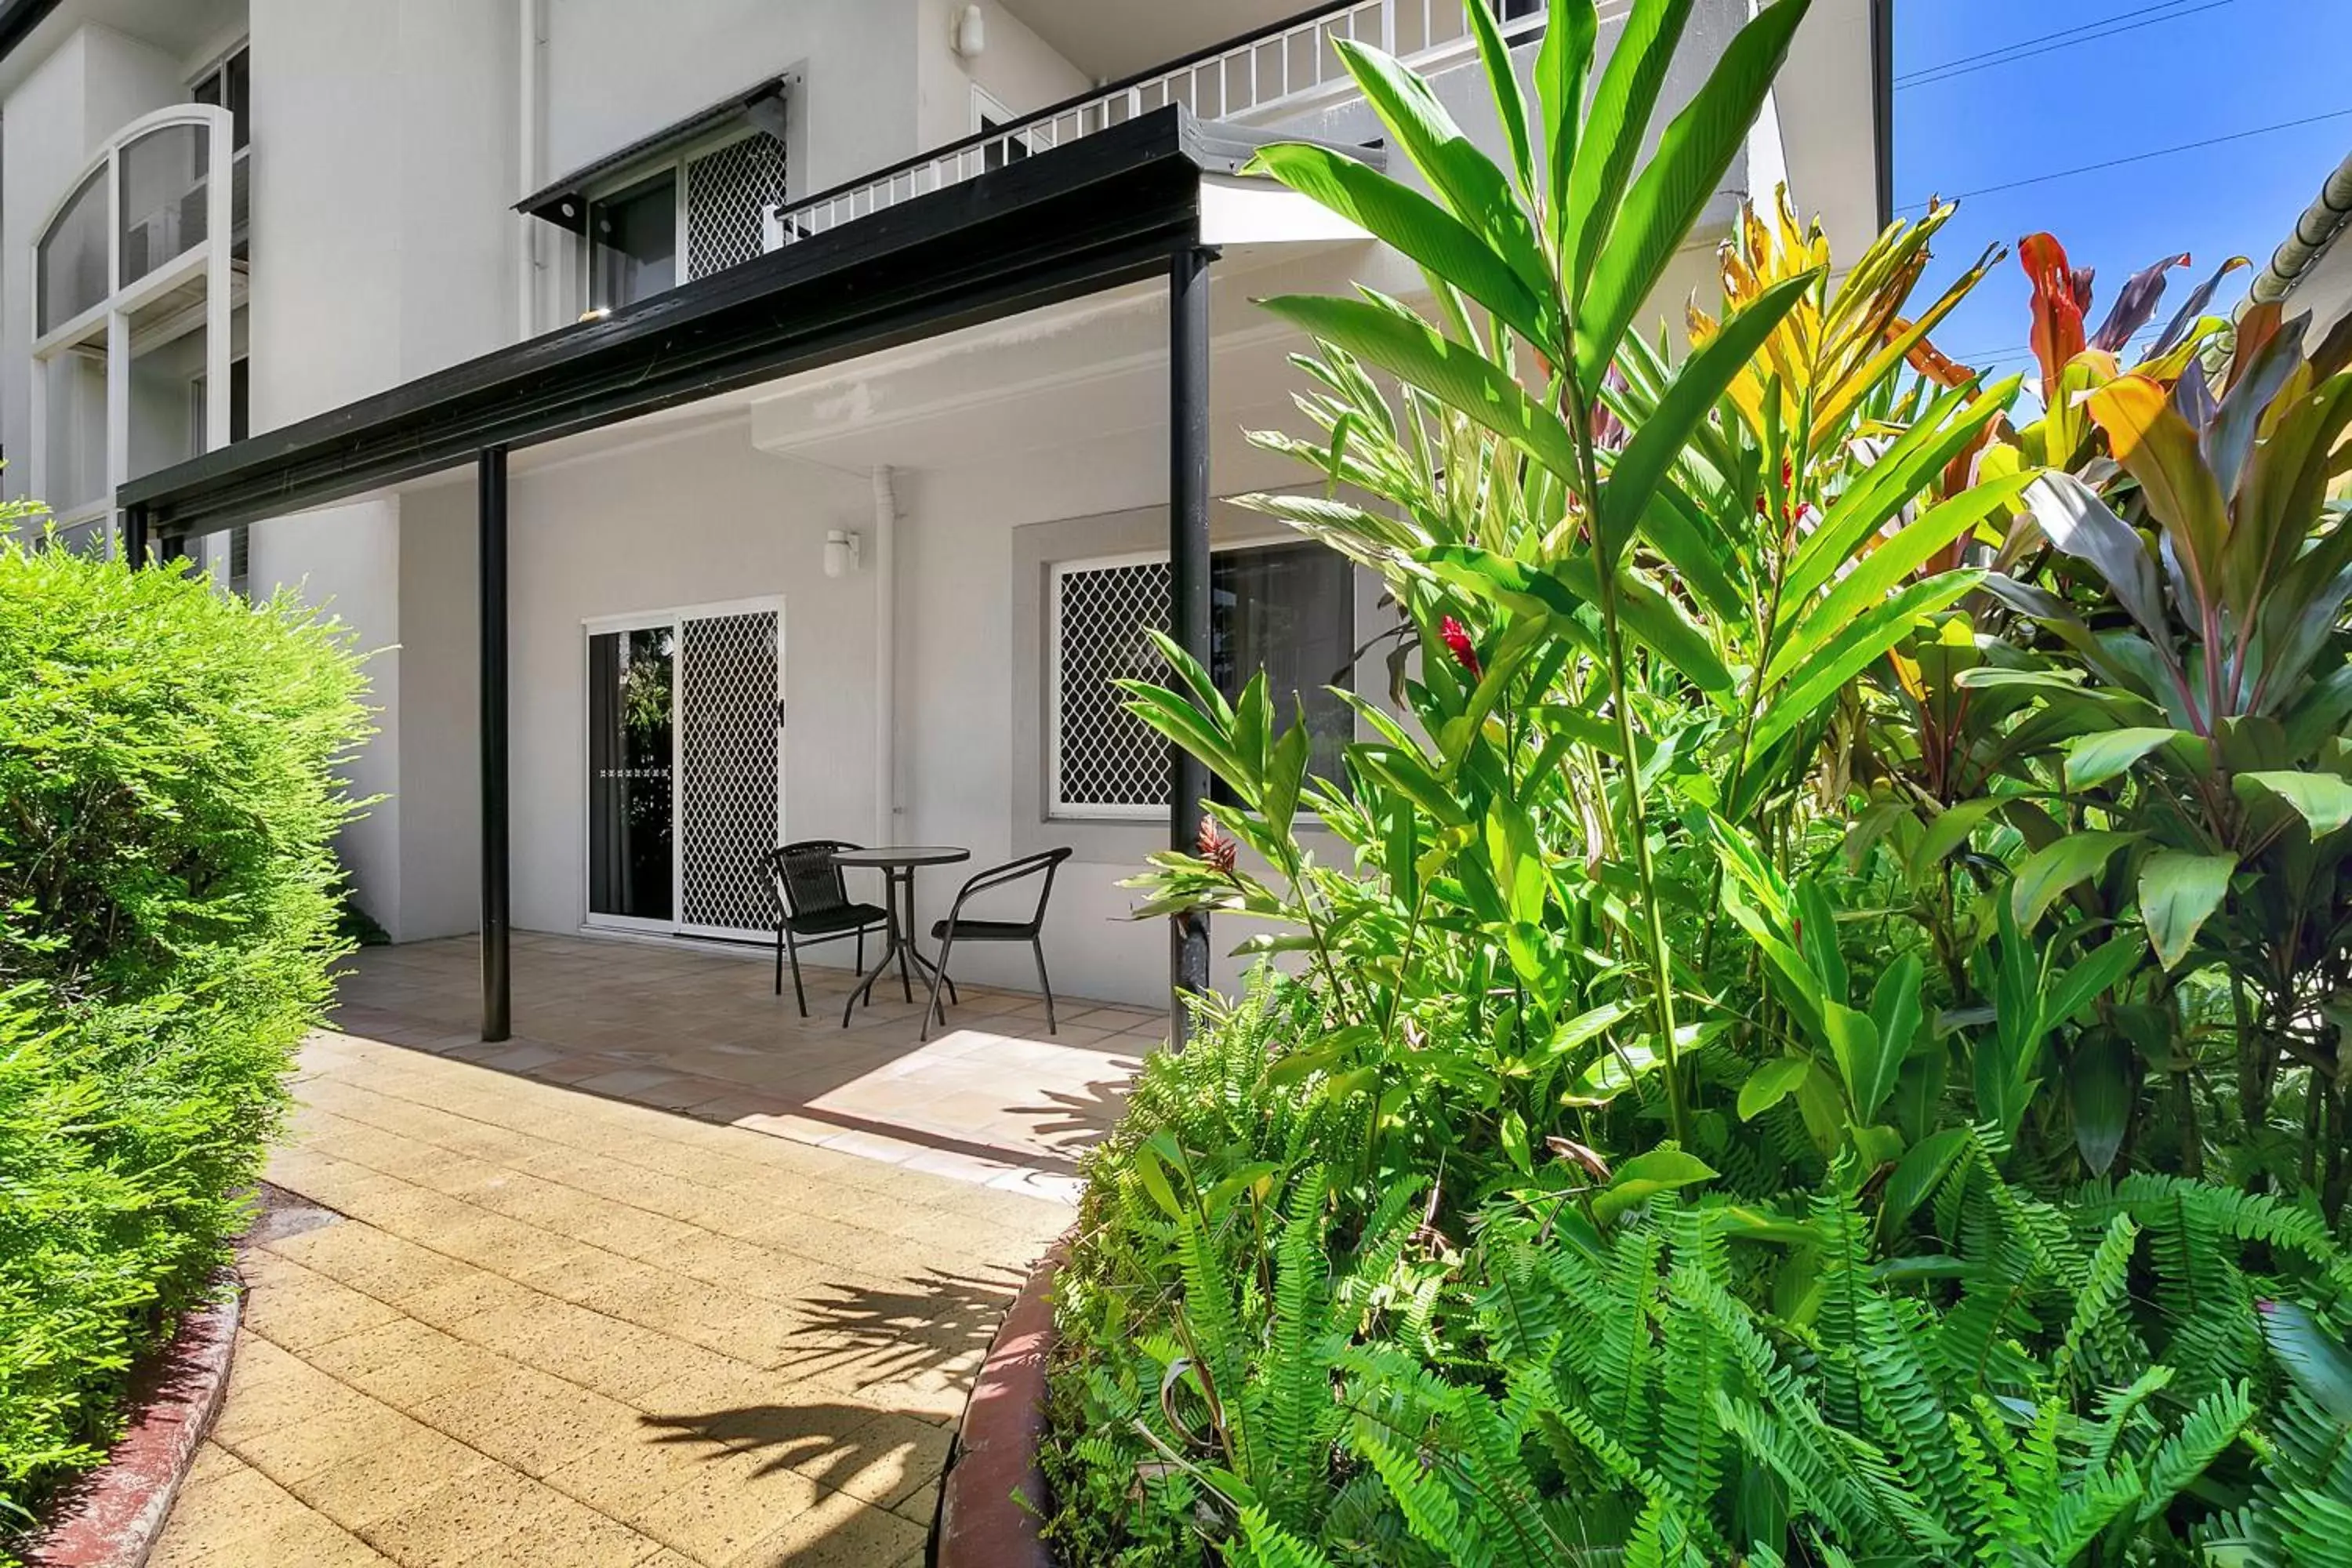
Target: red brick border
point(992, 1471)
point(112, 1517)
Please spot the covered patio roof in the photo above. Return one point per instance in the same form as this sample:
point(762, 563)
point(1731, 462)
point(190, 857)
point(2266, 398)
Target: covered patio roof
point(1130, 202)
point(1105, 209)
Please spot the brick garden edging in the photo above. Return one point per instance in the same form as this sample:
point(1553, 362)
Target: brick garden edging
point(992, 1467)
point(112, 1517)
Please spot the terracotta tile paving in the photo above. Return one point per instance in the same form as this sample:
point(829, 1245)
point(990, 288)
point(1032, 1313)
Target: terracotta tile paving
point(676, 1279)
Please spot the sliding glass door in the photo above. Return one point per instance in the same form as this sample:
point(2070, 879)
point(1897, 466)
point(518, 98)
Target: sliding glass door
point(684, 761)
point(632, 765)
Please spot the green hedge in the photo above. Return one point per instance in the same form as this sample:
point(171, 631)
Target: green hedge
point(168, 915)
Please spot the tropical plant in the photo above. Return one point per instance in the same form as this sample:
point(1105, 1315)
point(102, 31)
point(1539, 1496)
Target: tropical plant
point(1743, 1079)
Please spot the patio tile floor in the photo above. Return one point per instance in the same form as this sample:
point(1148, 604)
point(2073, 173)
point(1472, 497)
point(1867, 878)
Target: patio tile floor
point(678, 1278)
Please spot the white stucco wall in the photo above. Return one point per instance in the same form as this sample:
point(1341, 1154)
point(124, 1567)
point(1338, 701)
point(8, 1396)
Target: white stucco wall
point(614, 75)
point(1017, 69)
point(381, 253)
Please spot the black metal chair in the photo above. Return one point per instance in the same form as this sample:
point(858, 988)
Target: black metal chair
point(957, 927)
point(813, 906)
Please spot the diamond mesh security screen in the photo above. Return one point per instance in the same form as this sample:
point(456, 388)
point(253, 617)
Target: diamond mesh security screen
point(727, 807)
point(1106, 760)
point(726, 190)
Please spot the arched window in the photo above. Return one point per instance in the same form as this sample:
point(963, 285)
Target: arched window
point(124, 276)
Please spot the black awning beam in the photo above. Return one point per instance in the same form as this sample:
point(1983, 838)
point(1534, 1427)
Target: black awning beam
point(1187, 562)
point(1104, 210)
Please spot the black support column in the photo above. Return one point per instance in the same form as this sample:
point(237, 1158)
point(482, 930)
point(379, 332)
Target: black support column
point(497, 999)
point(134, 536)
point(1188, 557)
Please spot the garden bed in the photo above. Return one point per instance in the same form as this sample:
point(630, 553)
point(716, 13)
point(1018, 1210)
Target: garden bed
point(992, 1496)
point(112, 1517)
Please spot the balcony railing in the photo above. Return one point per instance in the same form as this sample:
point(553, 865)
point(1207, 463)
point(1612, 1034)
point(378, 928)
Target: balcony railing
point(1264, 77)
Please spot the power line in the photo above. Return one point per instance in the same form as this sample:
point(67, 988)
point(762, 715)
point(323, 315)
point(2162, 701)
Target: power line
point(2047, 42)
point(2136, 158)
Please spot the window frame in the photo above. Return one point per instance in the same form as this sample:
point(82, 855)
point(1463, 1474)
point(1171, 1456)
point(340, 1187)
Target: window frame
point(622, 180)
point(1056, 809)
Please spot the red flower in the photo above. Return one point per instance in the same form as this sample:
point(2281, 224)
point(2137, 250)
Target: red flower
point(1457, 638)
point(1218, 850)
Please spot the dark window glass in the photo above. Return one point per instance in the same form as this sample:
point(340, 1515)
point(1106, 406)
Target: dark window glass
point(239, 97)
point(240, 400)
point(631, 679)
point(1289, 610)
point(634, 244)
point(996, 154)
point(72, 260)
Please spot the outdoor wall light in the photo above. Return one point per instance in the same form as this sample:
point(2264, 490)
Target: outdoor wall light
point(971, 32)
point(840, 552)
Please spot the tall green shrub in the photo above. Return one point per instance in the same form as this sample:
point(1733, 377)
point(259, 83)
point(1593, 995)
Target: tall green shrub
point(168, 904)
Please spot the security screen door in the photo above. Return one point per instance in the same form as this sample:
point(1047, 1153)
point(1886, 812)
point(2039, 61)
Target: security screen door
point(685, 769)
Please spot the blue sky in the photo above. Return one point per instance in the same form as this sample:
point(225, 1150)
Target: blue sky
point(2185, 71)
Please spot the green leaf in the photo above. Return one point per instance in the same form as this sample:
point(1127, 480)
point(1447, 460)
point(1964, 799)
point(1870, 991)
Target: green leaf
point(1876, 573)
point(1771, 1084)
point(2178, 890)
point(1561, 66)
point(1917, 1174)
point(2321, 800)
point(1697, 388)
point(2099, 1091)
point(1614, 129)
point(1864, 640)
point(1514, 1134)
point(2048, 872)
point(1410, 223)
point(2314, 1358)
point(1510, 103)
point(2095, 759)
point(1948, 832)
point(1647, 1175)
point(1654, 620)
point(2094, 975)
point(1456, 374)
point(1153, 1174)
point(1463, 178)
point(1285, 775)
point(1667, 196)
point(1861, 1057)
point(1896, 1010)
point(1584, 1027)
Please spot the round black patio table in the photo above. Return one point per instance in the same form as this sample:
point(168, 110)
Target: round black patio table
point(898, 862)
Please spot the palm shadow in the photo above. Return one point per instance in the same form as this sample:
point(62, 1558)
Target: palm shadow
point(1080, 1119)
point(941, 1321)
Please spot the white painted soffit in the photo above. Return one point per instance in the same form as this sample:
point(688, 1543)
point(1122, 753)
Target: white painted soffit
point(1243, 210)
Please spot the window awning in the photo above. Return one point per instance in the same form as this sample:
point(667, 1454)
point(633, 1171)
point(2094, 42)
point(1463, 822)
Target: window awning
point(565, 204)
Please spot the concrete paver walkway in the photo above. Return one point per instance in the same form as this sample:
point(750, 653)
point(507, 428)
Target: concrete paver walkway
point(546, 1327)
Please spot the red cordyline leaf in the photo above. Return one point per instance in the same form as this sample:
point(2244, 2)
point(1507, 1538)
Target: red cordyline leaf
point(2058, 296)
point(1457, 638)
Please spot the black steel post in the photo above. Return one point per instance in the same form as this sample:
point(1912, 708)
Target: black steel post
point(497, 999)
point(1188, 558)
point(134, 536)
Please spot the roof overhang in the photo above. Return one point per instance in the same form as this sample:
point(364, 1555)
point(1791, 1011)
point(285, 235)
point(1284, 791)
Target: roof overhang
point(1106, 209)
point(564, 203)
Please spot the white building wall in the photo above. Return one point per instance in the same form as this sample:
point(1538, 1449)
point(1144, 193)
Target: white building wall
point(1016, 68)
point(380, 255)
point(614, 75)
